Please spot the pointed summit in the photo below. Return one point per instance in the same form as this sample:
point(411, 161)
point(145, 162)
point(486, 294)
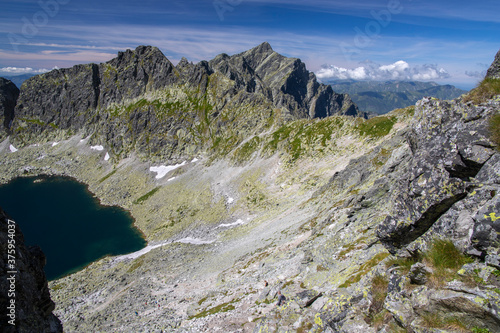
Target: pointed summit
point(264, 47)
point(260, 51)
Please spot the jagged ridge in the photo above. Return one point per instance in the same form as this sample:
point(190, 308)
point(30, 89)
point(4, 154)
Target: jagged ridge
point(140, 102)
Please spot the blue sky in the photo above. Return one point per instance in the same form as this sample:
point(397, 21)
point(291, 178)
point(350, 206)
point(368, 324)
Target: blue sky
point(443, 41)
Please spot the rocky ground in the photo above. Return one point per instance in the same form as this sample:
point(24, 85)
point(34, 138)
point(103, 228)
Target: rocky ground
point(319, 229)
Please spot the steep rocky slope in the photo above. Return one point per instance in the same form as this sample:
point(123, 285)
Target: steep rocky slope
point(24, 295)
point(386, 224)
point(8, 99)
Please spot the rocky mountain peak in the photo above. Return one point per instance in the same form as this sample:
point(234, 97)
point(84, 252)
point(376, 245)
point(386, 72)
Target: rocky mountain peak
point(114, 101)
point(263, 50)
point(494, 70)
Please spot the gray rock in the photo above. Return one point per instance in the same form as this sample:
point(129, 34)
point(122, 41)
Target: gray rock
point(450, 148)
point(418, 274)
point(494, 70)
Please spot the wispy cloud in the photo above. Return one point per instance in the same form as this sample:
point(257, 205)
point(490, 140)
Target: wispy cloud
point(485, 11)
point(400, 70)
point(476, 74)
point(49, 58)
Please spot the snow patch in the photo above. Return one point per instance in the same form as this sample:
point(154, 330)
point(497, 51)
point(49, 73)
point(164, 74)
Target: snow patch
point(194, 160)
point(98, 148)
point(54, 144)
point(137, 254)
point(162, 170)
point(228, 225)
point(12, 149)
point(195, 241)
point(230, 201)
point(171, 179)
point(107, 157)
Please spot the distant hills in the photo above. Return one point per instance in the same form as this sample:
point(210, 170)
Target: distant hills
point(383, 96)
point(18, 79)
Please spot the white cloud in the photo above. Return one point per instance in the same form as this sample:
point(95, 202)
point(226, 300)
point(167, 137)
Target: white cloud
point(400, 70)
point(22, 70)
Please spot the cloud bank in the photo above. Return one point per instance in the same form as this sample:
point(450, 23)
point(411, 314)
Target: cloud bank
point(400, 70)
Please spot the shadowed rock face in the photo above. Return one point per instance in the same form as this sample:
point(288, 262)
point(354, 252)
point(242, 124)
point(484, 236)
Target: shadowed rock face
point(8, 98)
point(33, 306)
point(494, 70)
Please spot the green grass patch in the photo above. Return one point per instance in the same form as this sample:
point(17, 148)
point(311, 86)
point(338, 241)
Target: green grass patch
point(487, 89)
point(225, 307)
point(442, 321)
point(376, 127)
point(494, 129)
point(364, 269)
point(445, 260)
point(107, 176)
point(379, 287)
point(147, 196)
point(243, 153)
point(58, 286)
point(304, 137)
point(135, 265)
point(444, 255)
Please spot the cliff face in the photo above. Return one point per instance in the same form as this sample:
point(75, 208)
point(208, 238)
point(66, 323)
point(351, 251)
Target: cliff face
point(140, 102)
point(26, 292)
point(8, 99)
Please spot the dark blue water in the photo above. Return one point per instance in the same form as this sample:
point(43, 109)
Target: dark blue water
point(67, 222)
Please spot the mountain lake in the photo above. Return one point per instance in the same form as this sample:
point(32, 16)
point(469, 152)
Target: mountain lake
point(61, 216)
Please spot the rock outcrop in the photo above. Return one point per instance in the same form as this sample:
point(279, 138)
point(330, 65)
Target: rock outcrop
point(8, 99)
point(494, 70)
point(452, 157)
point(24, 293)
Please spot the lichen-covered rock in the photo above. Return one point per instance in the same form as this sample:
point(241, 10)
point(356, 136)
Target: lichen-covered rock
point(24, 293)
point(450, 146)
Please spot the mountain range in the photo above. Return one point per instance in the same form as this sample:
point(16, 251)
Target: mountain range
point(380, 97)
point(247, 178)
point(18, 79)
